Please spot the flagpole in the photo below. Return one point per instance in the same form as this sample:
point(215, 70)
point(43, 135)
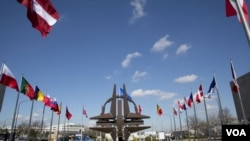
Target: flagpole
point(174, 123)
point(186, 118)
point(180, 120)
point(195, 117)
point(242, 107)
point(245, 23)
point(41, 129)
point(51, 124)
point(82, 121)
point(218, 95)
point(60, 110)
point(64, 128)
point(208, 125)
point(14, 115)
point(187, 125)
point(238, 91)
point(31, 112)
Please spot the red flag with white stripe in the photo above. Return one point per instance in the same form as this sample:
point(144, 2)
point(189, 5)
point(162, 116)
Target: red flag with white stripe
point(41, 14)
point(7, 78)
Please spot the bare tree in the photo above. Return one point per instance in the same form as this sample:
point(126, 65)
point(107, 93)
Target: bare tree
point(228, 118)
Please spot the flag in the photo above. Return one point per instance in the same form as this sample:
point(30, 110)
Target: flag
point(54, 105)
point(46, 100)
point(232, 10)
point(84, 112)
point(68, 114)
point(7, 78)
point(122, 92)
point(212, 86)
point(39, 94)
point(184, 106)
point(59, 109)
point(27, 89)
point(180, 106)
point(235, 86)
point(190, 100)
point(159, 110)
point(185, 102)
point(174, 111)
point(41, 14)
point(199, 94)
point(139, 109)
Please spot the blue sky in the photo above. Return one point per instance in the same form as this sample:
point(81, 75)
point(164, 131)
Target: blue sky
point(161, 50)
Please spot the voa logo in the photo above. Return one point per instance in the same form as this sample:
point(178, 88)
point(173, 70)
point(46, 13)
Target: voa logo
point(236, 132)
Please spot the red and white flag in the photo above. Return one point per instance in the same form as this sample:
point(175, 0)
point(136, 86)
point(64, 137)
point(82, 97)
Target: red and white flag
point(139, 109)
point(174, 111)
point(7, 78)
point(41, 14)
point(84, 112)
point(199, 95)
point(232, 10)
point(180, 106)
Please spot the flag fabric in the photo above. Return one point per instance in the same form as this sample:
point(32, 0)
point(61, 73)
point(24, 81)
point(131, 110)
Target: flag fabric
point(41, 14)
point(159, 110)
point(122, 92)
point(46, 100)
point(180, 106)
point(185, 102)
point(199, 95)
point(184, 106)
point(139, 109)
point(39, 94)
point(235, 86)
point(174, 111)
point(58, 112)
point(232, 10)
point(190, 100)
point(84, 112)
point(7, 78)
point(212, 86)
point(54, 105)
point(68, 114)
point(27, 89)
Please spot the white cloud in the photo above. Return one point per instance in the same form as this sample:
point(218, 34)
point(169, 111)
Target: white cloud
point(138, 75)
point(162, 44)
point(210, 107)
point(138, 10)
point(161, 94)
point(182, 49)
point(108, 77)
point(165, 56)
point(187, 78)
point(128, 59)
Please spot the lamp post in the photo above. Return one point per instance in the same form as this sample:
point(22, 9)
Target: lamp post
point(18, 111)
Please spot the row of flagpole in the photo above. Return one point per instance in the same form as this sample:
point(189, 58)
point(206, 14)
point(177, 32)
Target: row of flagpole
point(7, 79)
point(213, 88)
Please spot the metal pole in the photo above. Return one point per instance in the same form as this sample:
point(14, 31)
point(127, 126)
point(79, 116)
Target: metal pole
point(245, 23)
point(219, 102)
point(41, 129)
point(170, 121)
point(31, 111)
point(208, 125)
